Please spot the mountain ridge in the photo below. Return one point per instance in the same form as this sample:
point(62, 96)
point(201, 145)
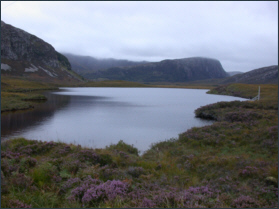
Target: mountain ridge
point(24, 54)
point(169, 70)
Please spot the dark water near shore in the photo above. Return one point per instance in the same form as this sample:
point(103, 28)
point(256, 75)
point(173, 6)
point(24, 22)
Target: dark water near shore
point(98, 117)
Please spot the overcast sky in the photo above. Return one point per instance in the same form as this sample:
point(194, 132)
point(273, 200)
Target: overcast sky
point(242, 35)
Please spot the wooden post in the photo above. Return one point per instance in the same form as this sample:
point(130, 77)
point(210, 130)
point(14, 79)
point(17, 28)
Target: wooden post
point(259, 93)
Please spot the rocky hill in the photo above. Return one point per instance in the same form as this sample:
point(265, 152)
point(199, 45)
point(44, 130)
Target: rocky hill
point(177, 70)
point(23, 54)
point(264, 75)
point(87, 64)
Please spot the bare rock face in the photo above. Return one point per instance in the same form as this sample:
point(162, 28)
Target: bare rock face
point(23, 54)
point(177, 70)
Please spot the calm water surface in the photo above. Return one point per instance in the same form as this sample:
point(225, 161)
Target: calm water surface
point(98, 117)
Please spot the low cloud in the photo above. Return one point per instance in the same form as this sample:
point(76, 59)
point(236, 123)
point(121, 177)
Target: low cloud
point(242, 35)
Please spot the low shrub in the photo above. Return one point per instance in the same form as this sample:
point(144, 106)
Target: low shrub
point(135, 171)
point(17, 204)
point(43, 174)
point(122, 146)
point(20, 181)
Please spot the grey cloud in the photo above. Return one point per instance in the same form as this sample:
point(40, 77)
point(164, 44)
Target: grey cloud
point(242, 35)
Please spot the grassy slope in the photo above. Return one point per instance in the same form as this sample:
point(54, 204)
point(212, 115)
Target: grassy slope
point(232, 163)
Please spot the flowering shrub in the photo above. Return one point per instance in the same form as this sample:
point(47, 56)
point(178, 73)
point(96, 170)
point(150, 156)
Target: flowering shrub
point(72, 166)
point(248, 171)
point(242, 116)
point(107, 173)
point(20, 181)
point(245, 202)
point(26, 163)
point(86, 155)
point(11, 155)
point(147, 203)
point(8, 166)
point(4, 185)
point(70, 183)
point(135, 171)
point(56, 178)
point(92, 191)
point(37, 148)
point(18, 204)
point(106, 191)
point(62, 151)
point(123, 154)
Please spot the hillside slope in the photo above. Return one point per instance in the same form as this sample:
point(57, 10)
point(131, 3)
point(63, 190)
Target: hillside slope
point(25, 55)
point(177, 70)
point(264, 75)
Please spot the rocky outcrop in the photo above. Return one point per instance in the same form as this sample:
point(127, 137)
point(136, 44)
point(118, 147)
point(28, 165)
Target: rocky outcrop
point(23, 54)
point(177, 70)
point(264, 75)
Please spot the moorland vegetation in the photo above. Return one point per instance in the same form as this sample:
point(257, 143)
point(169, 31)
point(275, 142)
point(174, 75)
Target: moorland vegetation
point(232, 163)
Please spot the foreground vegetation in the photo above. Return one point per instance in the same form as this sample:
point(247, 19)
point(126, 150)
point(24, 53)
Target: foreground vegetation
point(232, 163)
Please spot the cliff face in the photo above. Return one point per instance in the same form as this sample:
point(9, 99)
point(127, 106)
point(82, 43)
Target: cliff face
point(23, 54)
point(264, 75)
point(178, 70)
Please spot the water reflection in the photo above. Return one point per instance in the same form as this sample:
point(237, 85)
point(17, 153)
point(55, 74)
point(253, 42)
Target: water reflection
point(14, 122)
point(98, 117)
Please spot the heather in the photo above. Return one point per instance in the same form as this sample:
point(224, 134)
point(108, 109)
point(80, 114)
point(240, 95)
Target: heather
point(232, 163)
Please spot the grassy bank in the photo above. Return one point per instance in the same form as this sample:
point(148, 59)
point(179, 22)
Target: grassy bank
point(120, 83)
point(111, 84)
point(269, 92)
point(20, 94)
point(232, 163)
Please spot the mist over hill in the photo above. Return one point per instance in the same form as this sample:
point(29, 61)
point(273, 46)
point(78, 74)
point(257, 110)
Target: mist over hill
point(88, 64)
point(176, 70)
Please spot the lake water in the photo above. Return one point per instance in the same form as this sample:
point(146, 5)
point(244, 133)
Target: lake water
point(98, 117)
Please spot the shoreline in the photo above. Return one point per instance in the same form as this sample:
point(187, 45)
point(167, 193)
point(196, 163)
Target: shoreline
point(231, 163)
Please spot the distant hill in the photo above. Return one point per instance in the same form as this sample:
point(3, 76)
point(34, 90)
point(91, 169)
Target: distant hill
point(87, 64)
point(177, 70)
point(23, 54)
point(232, 73)
point(264, 75)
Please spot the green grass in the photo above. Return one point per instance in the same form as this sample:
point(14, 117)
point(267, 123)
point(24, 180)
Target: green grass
point(269, 92)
